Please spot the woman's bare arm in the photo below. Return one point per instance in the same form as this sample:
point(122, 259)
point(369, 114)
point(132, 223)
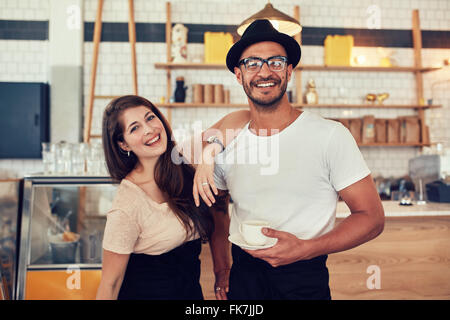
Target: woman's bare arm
point(226, 130)
point(113, 270)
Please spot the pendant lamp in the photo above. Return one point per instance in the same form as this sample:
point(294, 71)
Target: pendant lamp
point(280, 21)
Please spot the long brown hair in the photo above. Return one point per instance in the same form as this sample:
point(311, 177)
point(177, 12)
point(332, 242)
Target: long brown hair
point(173, 179)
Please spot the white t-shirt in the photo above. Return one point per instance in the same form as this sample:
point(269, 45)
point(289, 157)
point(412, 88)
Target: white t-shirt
point(290, 178)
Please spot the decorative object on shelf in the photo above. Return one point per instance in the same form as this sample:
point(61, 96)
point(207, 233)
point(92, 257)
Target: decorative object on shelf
point(217, 45)
point(371, 97)
point(386, 59)
point(180, 90)
point(338, 50)
point(311, 96)
point(179, 43)
point(381, 97)
point(280, 21)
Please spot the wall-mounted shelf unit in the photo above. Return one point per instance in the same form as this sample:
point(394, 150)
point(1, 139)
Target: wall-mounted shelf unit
point(417, 69)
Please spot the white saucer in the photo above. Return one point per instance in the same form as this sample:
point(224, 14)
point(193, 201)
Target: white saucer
point(238, 240)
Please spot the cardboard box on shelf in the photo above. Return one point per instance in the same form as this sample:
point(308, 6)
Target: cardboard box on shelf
point(355, 129)
point(380, 130)
point(217, 45)
point(393, 130)
point(410, 129)
point(338, 50)
point(368, 132)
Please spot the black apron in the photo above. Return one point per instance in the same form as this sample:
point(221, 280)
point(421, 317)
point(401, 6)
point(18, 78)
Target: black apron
point(255, 279)
point(174, 275)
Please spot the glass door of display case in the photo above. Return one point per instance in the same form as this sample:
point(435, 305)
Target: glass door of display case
point(10, 195)
point(63, 219)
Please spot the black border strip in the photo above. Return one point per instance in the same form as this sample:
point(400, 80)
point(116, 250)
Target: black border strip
point(156, 32)
point(23, 30)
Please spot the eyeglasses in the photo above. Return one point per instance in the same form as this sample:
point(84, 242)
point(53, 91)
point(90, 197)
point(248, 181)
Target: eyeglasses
point(254, 64)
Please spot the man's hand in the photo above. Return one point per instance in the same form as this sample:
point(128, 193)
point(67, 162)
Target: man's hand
point(221, 286)
point(288, 249)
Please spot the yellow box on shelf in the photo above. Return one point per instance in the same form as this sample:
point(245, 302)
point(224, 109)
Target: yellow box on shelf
point(217, 45)
point(338, 50)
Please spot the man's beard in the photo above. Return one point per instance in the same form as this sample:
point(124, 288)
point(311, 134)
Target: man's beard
point(265, 104)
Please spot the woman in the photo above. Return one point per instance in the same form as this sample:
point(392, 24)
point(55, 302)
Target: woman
point(153, 232)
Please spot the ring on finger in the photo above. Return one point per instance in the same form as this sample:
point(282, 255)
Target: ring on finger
point(218, 289)
point(205, 183)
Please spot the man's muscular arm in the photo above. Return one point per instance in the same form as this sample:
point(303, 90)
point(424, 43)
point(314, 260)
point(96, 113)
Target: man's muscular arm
point(219, 244)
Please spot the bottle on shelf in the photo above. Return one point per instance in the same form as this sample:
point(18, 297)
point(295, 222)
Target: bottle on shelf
point(311, 96)
point(180, 90)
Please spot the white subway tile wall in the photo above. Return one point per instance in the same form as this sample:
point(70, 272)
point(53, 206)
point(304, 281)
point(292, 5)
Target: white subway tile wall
point(28, 61)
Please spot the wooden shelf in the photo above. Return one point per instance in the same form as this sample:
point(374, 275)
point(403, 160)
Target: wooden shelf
point(170, 66)
point(301, 67)
point(364, 69)
point(367, 106)
point(200, 105)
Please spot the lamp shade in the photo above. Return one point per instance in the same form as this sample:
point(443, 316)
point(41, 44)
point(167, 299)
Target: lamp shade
point(280, 21)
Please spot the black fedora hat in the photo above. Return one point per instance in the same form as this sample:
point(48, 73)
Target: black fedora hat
point(258, 31)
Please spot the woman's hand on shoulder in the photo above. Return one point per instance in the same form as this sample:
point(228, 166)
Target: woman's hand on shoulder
point(204, 186)
point(204, 180)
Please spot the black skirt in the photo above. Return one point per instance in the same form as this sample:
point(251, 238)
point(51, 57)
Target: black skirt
point(174, 275)
point(255, 279)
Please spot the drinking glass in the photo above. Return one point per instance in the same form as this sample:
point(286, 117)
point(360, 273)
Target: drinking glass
point(63, 158)
point(95, 159)
point(80, 152)
point(48, 157)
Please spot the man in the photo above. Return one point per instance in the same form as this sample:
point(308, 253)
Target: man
point(317, 160)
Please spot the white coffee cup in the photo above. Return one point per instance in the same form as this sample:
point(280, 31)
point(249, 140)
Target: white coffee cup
point(251, 231)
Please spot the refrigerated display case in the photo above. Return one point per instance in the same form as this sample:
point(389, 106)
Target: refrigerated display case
point(62, 225)
point(10, 195)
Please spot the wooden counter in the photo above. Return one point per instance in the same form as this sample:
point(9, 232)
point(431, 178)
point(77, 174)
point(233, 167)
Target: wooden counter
point(393, 209)
point(412, 255)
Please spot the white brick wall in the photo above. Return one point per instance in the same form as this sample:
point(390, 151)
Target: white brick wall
point(24, 60)
point(28, 61)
